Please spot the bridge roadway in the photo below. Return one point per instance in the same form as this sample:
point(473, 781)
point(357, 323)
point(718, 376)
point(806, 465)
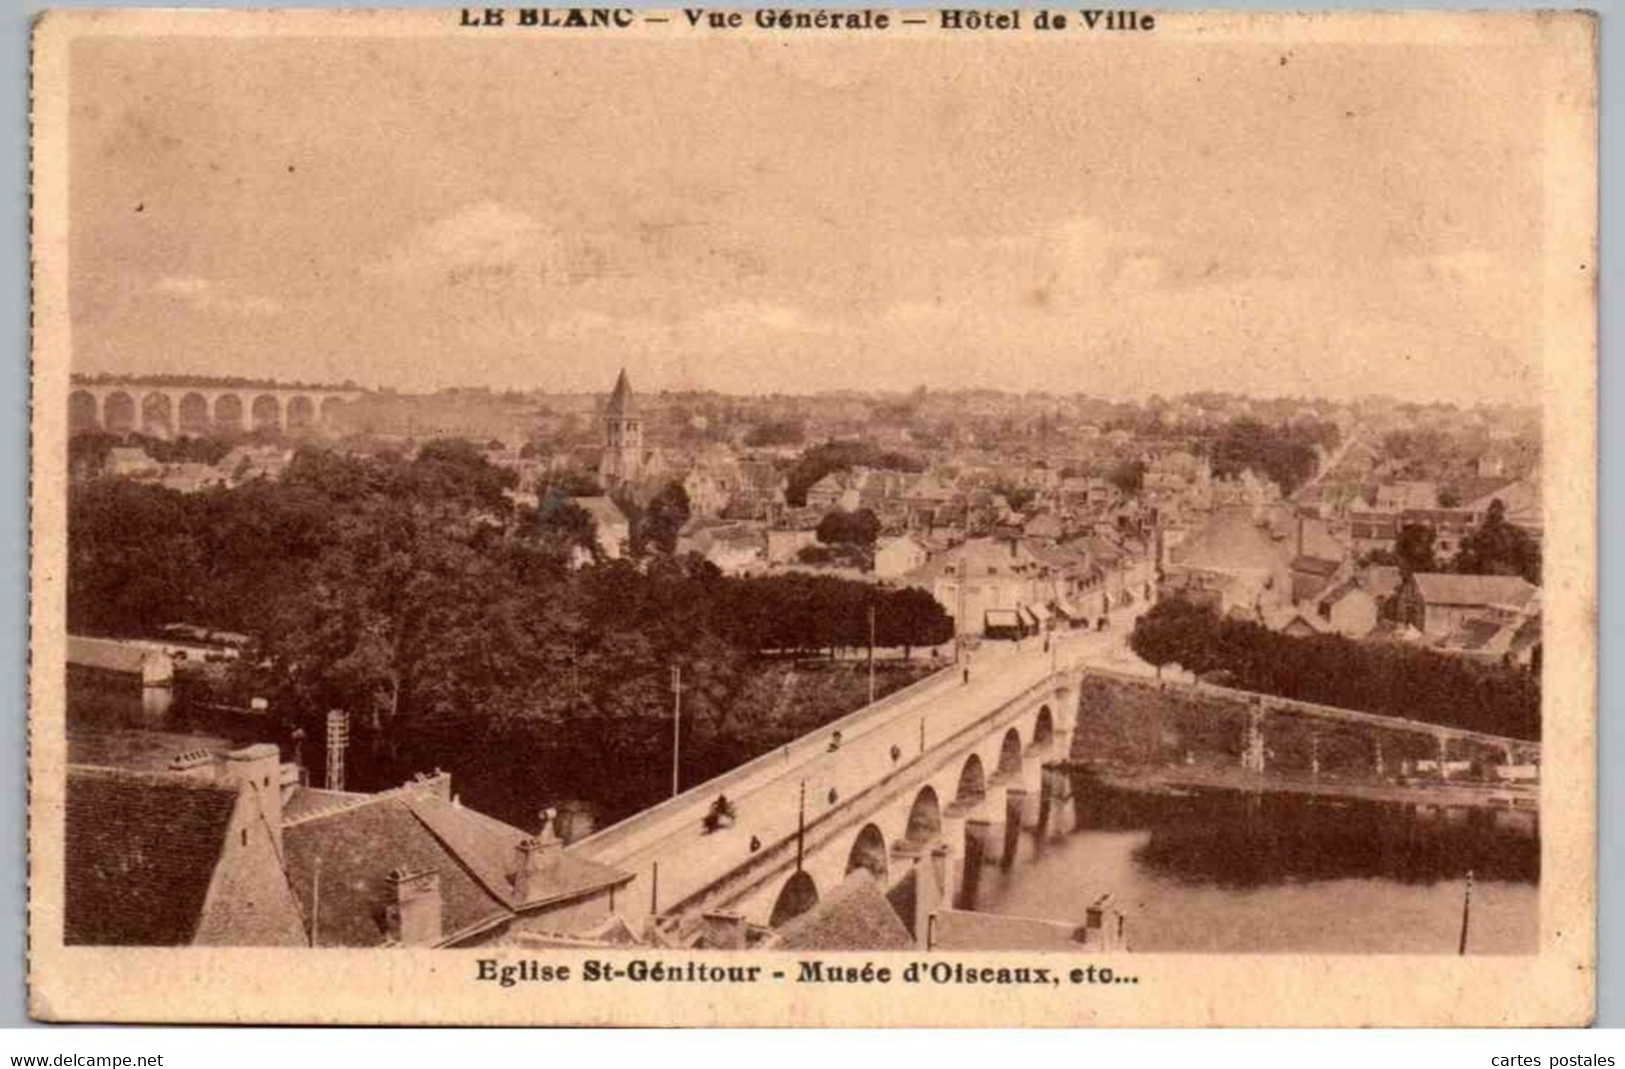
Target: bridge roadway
point(674, 859)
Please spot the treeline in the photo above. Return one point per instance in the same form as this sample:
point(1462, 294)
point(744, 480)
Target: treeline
point(1494, 547)
point(821, 460)
point(456, 633)
point(1285, 454)
point(1382, 678)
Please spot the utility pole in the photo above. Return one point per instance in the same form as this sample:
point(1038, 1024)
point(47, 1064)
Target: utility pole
point(676, 726)
point(315, 899)
point(959, 615)
point(1466, 912)
point(801, 825)
point(871, 654)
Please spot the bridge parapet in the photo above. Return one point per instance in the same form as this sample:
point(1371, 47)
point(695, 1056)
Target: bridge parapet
point(615, 836)
point(1267, 704)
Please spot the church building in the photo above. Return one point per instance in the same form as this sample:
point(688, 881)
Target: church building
point(623, 436)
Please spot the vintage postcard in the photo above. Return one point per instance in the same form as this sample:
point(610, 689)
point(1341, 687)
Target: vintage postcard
point(804, 516)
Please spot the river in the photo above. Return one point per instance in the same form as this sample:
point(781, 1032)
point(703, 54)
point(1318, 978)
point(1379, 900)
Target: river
point(1222, 871)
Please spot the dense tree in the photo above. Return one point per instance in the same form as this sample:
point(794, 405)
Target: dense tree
point(1174, 631)
point(776, 432)
point(459, 638)
point(1128, 476)
point(1388, 679)
point(1286, 455)
point(1413, 549)
point(1496, 547)
point(821, 460)
point(858, 528)
point(662, 521)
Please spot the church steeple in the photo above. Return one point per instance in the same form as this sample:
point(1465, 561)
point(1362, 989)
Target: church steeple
point(620, 398)
point(623, 435)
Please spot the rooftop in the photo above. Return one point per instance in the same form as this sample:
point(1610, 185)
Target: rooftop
point(140, 850)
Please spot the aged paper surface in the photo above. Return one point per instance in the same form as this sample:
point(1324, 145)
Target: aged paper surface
point(812, 517)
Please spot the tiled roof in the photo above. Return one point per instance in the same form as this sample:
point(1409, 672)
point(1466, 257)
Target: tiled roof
point(357, 848)
point(140, 853)
point(854, 916)
point(1231, 541)
point(487, 847)
point(1443, 588)
point(1308, 586)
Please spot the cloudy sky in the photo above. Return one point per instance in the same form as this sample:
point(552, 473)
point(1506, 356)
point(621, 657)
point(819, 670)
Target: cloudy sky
point(801, 214)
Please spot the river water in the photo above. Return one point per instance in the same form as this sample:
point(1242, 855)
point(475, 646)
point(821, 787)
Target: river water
point(1223, 871)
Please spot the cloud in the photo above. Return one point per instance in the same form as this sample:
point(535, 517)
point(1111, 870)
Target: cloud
point(206, 296)
point(481, 241)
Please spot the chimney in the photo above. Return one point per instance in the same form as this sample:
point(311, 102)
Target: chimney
point(198, 764)
point(723, 930)
point(415, 910)
point(260, 766)
point(535, 859)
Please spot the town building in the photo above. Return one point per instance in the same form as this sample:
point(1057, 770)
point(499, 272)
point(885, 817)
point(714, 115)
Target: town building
point(1438, 603)
point(183, 858)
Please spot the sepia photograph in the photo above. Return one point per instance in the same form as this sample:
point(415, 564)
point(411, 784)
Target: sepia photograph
point(813, 516)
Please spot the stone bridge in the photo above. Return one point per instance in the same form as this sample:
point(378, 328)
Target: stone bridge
point(950, 772)
point(130, 405)
point(947, 772)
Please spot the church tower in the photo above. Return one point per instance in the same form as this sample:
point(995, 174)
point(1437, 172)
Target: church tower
point(623, 436)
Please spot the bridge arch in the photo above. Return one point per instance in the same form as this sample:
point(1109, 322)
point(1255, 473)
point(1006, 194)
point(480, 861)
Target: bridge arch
point(1043, 729)
point(972, 786)
point(266, 413)
point(924, 818)
point(869, 852)
point(1009, 756)
point(329, 408)
point(157, 414)
point(84, 413)
point(301, 413)
point(228, 412)
point(193, 415)
point(797, 896)
point(118, 413)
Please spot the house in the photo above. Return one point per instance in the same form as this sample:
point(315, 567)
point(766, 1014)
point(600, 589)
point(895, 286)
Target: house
point(734, 548)
point(1371, 531)
point(177, 859)
point(1399, 496)
point(983, 574)
point(190, 478)
point(1348, 609)
point(784, 545)
point(829, 493)
point(1449, 526)
point(1235, 559)
point(1046, 526)
point(854, 915)
point(114, 661)
point(412, 867)
point(760, 491)
point(130, 462)
point(1438, 603)
point(896, 557)
point(614, 529)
